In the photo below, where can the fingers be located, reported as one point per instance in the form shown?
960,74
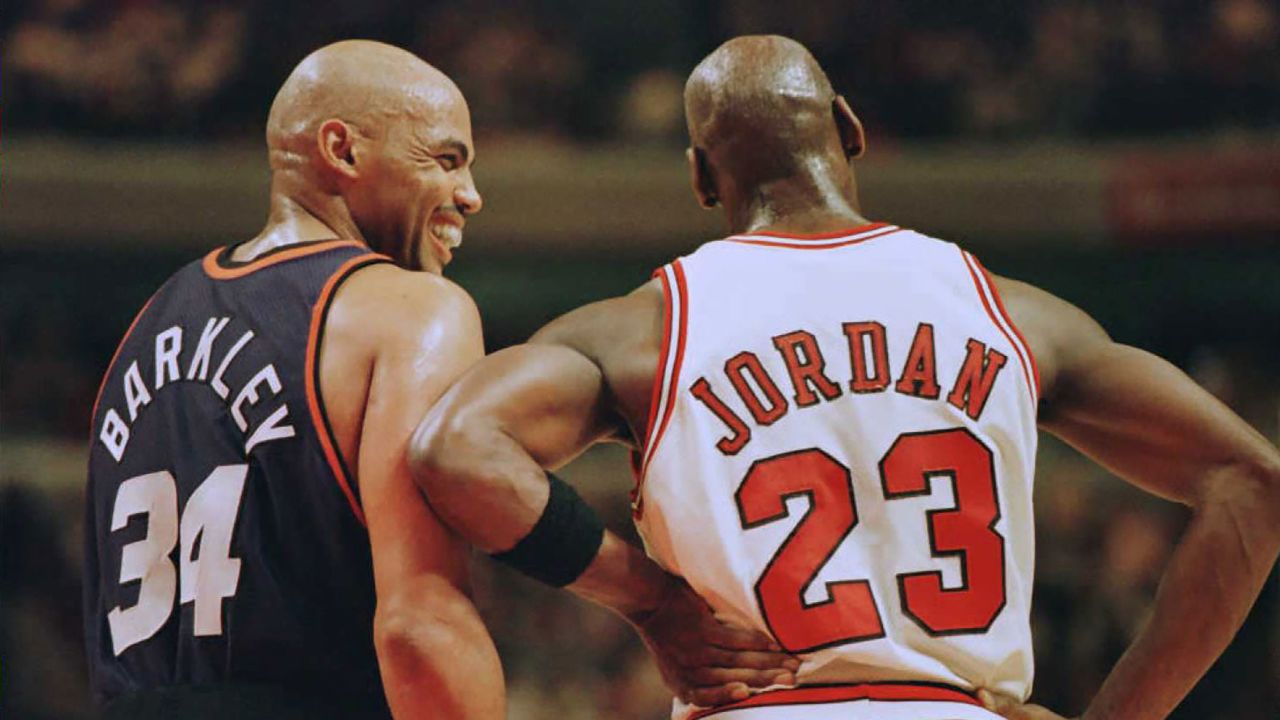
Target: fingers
1014,710
712,696
757,660
731,637
712,676
997,703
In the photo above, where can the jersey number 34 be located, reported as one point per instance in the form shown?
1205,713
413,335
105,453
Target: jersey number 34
966,531
209,518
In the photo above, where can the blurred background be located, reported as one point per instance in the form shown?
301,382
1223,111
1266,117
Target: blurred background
1125,156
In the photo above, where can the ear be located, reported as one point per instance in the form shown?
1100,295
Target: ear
852,137
335,142
704,187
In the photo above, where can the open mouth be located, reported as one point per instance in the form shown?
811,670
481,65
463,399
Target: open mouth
447,234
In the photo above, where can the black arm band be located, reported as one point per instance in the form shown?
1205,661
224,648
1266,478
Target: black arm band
563,543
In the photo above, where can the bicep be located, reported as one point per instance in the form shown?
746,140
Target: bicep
1131,411
413,366
548,398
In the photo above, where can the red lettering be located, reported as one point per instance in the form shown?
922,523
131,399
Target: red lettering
804,361
977,375
777,405
864,381
741,434
919,374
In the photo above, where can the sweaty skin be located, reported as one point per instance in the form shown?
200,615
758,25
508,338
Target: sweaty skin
772,145
360,141
368,142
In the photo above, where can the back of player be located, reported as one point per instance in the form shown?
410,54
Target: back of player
227,569
840,451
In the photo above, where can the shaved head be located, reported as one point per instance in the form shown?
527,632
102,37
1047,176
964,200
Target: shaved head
362,82
765,86
767,131
380,142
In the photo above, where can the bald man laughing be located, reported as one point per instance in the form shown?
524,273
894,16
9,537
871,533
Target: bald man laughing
255,544
834,430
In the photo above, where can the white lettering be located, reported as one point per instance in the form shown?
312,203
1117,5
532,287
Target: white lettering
219,386
168,345
135,391
250,393
115,434
200,360
270,429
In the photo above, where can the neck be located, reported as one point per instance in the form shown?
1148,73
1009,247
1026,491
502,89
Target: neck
815,199
300,214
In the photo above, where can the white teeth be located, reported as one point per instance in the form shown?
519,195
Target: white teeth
450,235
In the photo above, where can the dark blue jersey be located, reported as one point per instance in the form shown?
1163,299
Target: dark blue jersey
225,544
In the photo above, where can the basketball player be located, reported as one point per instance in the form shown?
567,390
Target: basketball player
255,544
834,424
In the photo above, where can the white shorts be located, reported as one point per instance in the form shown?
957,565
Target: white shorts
822,705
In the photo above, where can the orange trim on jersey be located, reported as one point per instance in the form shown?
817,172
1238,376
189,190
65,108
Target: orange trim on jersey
1032,385
821,236
215,270
804,244
102,386
315,403
824,694
672,387
995,293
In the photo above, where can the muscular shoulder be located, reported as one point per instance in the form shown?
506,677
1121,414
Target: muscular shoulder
606,327
383,307
623,337
1060,334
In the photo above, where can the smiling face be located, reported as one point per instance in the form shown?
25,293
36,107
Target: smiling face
414,188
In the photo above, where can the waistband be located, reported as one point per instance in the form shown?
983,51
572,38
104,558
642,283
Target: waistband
822,694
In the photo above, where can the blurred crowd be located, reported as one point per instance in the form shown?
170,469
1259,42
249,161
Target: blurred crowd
587,70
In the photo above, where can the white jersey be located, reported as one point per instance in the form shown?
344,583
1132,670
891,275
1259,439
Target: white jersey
840,453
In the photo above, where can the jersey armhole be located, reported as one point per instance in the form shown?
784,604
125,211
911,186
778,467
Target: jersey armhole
666,378
994,306
315,398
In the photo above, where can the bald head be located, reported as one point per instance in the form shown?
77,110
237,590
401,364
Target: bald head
361,82
768,134
376,144
757,84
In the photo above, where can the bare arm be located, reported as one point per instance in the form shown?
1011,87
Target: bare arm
479,457
434,652
1145,420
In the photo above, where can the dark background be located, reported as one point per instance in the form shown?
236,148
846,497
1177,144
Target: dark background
1125,156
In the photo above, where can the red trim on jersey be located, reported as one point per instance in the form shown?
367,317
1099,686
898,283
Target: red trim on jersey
1026,347
803,244
823,694
216,271
821,236
1032,385
102,386
315,403
672,387
640,459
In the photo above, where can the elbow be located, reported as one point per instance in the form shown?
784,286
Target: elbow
434,652
437,452
1247,493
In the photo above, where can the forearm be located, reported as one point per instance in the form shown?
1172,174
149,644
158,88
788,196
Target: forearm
480,482
489,489
436,657
624,580
1212,580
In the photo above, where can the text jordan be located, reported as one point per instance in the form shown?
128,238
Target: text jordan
867,347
